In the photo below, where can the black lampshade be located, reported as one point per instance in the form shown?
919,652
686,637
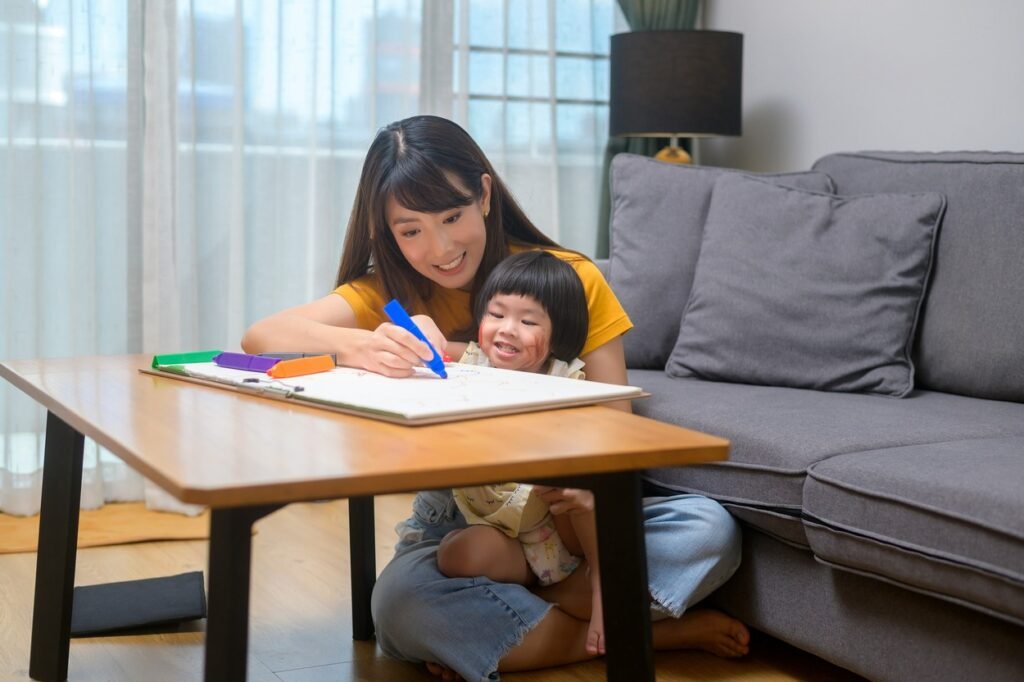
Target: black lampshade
683,83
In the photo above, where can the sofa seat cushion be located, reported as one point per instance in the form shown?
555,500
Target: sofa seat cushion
943,518
777,433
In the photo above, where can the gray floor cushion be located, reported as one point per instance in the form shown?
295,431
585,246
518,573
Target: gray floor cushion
942,518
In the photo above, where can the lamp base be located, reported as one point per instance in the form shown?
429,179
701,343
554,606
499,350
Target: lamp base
673,154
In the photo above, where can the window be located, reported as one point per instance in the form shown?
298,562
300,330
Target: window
530,82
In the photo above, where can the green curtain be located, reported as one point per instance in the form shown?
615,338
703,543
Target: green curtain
642,15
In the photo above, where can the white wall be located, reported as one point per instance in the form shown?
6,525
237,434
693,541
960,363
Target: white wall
845,75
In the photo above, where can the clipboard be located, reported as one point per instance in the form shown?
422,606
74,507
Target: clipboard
470,391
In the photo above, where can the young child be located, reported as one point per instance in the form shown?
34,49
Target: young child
532,317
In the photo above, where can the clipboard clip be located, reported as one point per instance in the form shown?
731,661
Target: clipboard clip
262,385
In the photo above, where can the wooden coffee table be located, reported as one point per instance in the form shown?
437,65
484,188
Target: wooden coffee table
245,457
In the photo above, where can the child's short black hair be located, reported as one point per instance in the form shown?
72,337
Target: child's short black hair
555,285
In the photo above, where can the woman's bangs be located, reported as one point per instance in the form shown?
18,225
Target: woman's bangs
423,187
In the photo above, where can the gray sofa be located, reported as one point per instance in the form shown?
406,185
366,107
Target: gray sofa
883,534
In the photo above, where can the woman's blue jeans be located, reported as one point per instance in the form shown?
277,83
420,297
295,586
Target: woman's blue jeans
469,624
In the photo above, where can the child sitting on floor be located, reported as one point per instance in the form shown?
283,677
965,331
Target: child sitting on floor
532,317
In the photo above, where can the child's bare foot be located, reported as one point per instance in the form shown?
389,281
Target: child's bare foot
595,633
712,631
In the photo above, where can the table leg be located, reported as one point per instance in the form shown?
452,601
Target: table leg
363,562
55,560
227,623
623,559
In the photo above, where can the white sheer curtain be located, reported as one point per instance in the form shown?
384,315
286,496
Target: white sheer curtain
66,235
172,171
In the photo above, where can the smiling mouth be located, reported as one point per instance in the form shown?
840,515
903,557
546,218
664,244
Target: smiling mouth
448,267
505,348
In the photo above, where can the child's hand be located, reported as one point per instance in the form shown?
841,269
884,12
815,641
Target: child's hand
566,500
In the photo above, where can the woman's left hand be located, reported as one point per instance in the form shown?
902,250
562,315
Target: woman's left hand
566,500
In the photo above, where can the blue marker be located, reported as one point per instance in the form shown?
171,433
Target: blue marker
401,318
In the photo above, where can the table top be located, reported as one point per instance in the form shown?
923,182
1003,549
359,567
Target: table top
223,448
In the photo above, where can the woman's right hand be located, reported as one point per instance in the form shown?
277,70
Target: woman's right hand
394,352
329,325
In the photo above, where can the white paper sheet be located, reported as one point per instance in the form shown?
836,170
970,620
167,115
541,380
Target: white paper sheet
423,398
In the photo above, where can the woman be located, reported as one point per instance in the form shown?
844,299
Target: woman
431,219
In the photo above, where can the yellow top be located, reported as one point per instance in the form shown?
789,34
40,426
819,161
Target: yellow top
449,308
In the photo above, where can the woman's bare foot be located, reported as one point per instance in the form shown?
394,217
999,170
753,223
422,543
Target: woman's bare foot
712,631
442,671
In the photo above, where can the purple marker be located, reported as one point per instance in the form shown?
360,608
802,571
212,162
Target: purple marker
251,363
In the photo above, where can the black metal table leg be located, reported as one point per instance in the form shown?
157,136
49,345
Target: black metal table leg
363,561
55,561
227,624
623,558
622,553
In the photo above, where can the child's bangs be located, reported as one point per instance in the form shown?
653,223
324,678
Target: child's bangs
521,282
421,186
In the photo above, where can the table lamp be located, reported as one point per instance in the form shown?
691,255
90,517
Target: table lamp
676,84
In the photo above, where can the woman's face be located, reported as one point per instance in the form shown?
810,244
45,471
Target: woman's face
515,333
447,247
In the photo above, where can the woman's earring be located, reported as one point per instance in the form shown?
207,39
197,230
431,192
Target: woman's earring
487,212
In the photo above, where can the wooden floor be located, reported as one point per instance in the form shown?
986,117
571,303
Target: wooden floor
300,615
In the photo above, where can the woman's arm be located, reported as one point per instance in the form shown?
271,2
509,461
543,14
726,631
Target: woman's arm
607,364
329,325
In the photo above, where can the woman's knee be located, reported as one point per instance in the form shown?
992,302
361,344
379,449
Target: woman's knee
721,531
698,521
694,546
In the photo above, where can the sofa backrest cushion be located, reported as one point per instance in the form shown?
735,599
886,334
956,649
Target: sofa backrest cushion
807,289
657,223
971,334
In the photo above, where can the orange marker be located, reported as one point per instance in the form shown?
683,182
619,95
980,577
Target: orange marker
300,366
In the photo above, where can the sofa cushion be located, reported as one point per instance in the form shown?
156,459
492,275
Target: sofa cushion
973,317
944,518
777,433
657,221
806,289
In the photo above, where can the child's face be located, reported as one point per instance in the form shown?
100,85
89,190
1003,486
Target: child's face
515,333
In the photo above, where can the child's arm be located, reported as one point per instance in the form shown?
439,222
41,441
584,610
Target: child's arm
578,506
566,500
